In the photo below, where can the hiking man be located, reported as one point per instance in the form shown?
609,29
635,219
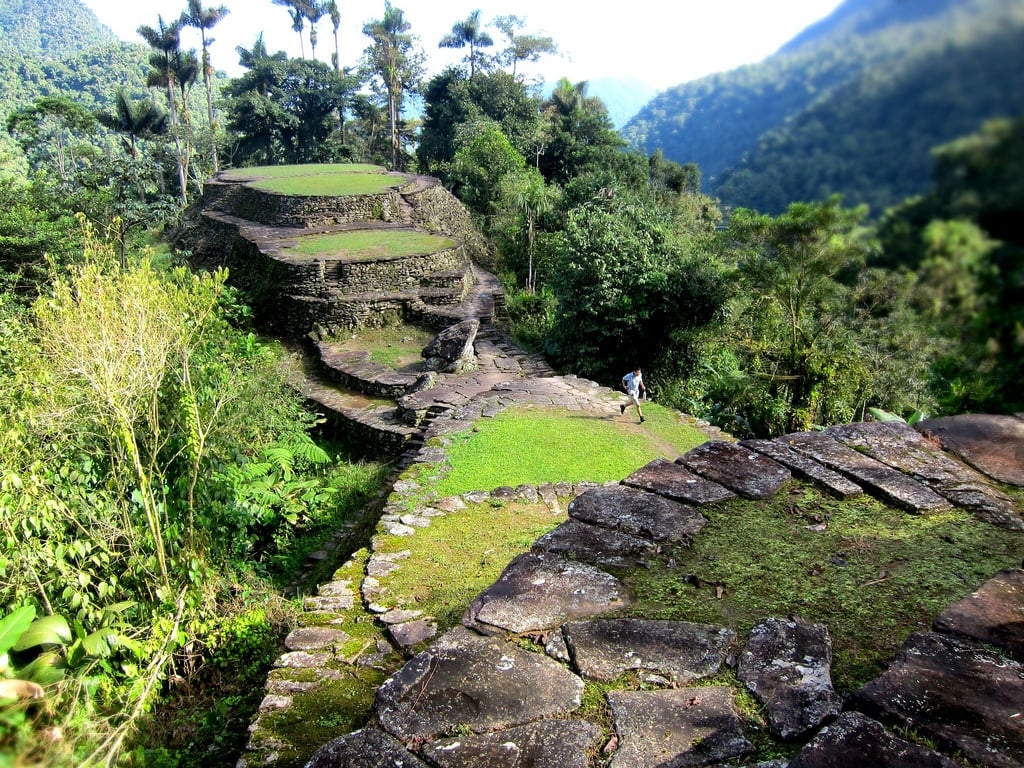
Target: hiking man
633,383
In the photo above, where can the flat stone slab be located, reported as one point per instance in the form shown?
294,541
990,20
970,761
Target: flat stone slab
369,747
410,633
475,682
902,447
675,728
638,513
561,743
992,444
806,467
314,638
748,473
961,694
596,545
603,649
993,615
854,740
542,591
890,484
674,481
787,665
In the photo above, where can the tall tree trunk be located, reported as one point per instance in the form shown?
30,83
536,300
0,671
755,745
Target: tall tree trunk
178,151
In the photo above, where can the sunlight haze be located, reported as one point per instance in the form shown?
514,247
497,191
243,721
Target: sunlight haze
660,44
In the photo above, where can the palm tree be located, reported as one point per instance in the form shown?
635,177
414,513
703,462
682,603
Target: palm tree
314,10
527,193
335,14
468,32
205,19
390,57
165,40
298,19
253,59
141,119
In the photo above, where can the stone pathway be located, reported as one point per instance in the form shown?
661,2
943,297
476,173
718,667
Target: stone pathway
476,680
505,688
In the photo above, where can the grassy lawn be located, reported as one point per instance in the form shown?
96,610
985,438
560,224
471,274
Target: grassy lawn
367,244
329,184
552,445
282,171
396,346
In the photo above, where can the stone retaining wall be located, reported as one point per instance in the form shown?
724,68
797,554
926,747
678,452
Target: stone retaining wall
302,211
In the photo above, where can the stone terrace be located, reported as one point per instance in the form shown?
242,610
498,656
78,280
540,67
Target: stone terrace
505,687
959,686
253,231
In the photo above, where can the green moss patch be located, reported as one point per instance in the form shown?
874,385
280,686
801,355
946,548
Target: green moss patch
370,244
396,346
458,556
553,445
338,707
871,573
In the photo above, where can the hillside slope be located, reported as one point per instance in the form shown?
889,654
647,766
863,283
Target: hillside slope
49,30
852,105
54,48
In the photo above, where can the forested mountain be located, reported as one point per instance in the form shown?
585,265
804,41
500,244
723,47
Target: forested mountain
50,48
49,30
853,105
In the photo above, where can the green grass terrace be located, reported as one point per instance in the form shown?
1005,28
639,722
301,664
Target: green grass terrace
329,180
370,244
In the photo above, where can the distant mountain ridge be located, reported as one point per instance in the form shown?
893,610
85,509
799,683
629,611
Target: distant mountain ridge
848,105
49,30
60,48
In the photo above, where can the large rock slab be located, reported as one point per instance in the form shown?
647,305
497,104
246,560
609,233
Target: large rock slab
475,682
901,447
741,470
993,615
366,748
542,591
960,694
674,481
806,467
676,728
561,743
451,350
991,443
595,545
638,513
603,649
787,666
877,478
855,740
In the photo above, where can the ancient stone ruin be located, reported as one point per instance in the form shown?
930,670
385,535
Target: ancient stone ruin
505,687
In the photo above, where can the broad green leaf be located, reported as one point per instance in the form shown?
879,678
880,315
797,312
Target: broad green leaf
98,643
46,669
49,630
13,625
917,416
881,415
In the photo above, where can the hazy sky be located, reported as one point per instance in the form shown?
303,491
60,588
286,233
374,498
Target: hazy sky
660,42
